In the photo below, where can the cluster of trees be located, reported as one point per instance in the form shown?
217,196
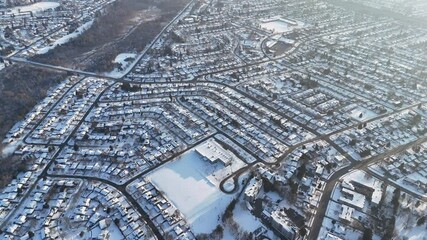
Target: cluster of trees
23,87
421,220
130,88
10,167
106,35
216,234
395,200
390,223
234,227
309,83
367,234
416,119
229,210
293,190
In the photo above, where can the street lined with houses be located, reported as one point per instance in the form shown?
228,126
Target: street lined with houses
240,120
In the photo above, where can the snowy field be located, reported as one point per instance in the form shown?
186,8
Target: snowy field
36,7
366,114
192,185
125,60
279,25
276,26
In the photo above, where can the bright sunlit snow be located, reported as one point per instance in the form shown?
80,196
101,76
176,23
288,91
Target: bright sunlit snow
192,185
36,7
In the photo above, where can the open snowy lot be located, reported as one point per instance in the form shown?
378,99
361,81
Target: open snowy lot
36,7
279,25
125,61
192,183
362,114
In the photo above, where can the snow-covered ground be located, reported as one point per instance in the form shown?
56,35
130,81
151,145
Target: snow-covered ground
229,185
245,219
406,221
279,25
248,222
408,232
192,185
276,26
122,57
113,233
366,114
66,38
10,148
125,60
36,7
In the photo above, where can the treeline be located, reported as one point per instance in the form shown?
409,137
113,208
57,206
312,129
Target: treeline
21,88
10,167
96,49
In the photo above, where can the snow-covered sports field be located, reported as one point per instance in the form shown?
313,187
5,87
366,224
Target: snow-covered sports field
36,7
191,183
280,25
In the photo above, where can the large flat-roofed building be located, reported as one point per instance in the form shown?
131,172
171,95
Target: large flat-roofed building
352,198
211,151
